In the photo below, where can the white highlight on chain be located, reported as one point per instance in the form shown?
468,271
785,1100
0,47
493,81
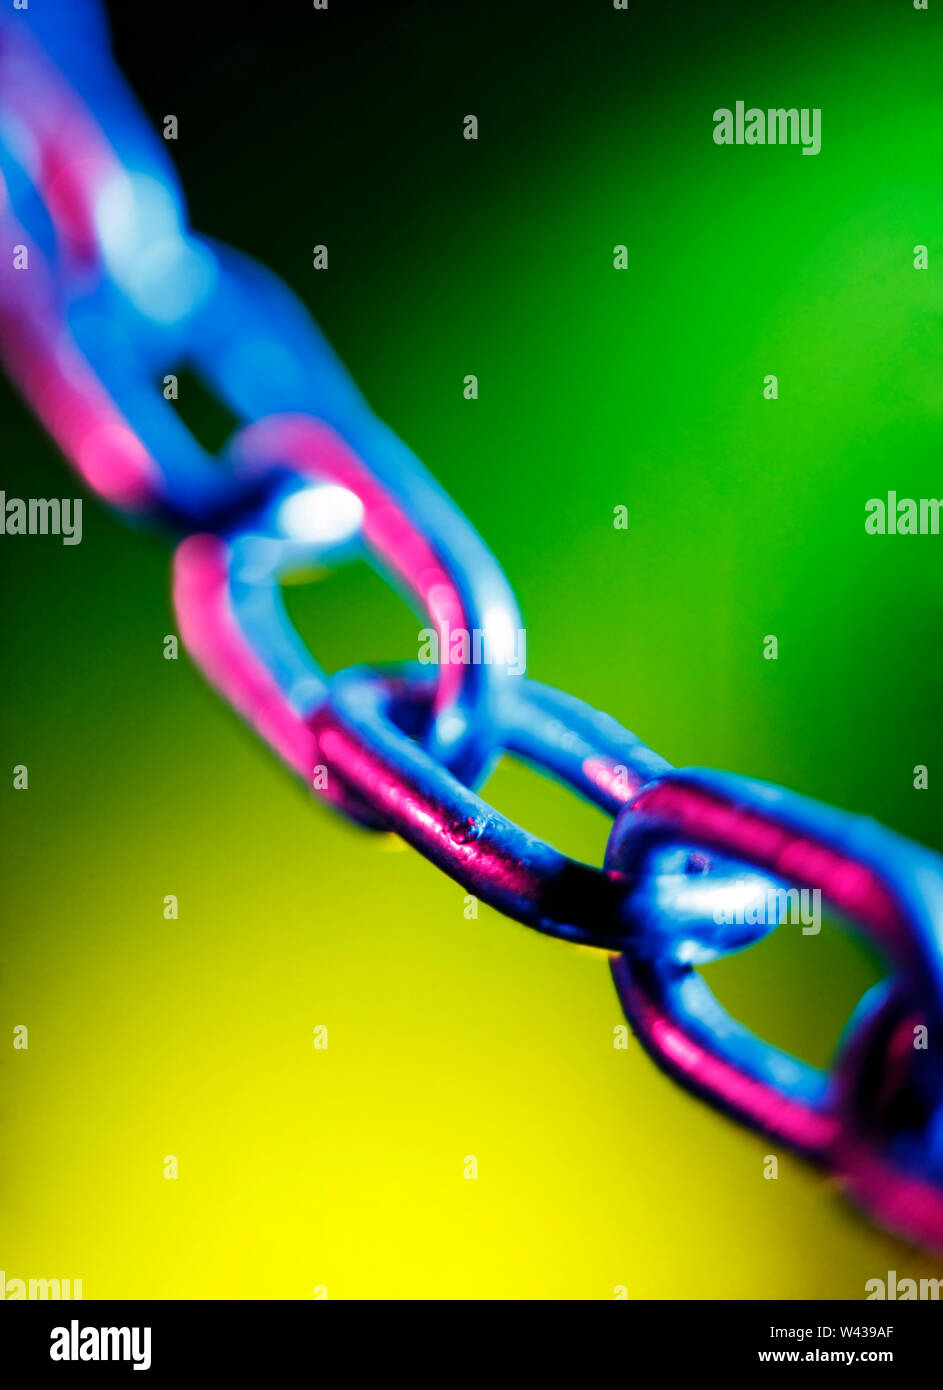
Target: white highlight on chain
326,514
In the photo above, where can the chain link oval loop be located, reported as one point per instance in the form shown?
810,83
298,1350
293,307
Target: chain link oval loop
883,885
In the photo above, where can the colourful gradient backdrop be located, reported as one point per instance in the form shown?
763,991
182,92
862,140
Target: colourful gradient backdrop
344,1168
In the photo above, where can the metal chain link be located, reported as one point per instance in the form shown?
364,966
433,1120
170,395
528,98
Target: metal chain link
113,290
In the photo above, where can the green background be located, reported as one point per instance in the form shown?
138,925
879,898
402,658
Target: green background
643,387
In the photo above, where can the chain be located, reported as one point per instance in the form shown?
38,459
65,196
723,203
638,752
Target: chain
103,287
